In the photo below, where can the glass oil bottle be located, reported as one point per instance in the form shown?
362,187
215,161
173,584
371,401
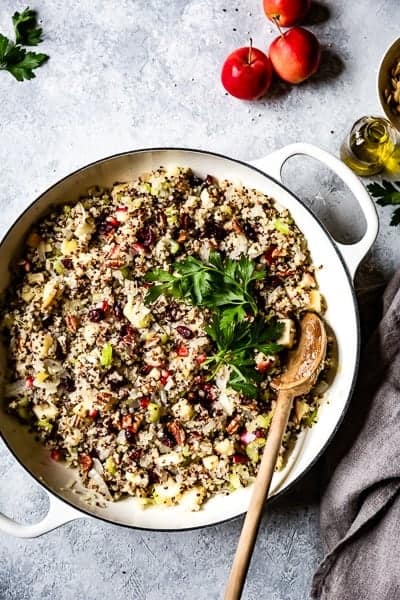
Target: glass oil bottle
372,146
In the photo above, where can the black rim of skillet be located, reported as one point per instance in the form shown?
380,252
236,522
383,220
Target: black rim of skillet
329,238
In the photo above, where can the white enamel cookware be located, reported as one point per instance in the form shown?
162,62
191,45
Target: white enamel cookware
335,279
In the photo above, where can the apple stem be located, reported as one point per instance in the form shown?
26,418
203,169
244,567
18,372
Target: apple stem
250,50
276,21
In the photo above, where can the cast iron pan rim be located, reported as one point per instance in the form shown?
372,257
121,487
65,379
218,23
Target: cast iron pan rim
329,239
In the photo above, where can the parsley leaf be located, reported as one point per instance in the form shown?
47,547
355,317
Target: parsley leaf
26,28
225,287
23,68
236,345
387,194
215,283
13,57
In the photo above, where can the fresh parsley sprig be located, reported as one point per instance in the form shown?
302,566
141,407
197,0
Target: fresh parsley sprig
226,288
236,345
26,28
218,283
13,57
387,194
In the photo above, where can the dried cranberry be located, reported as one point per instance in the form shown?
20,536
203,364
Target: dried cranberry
195,181
260,433
144,402
68,383
110,426
209,180
127,330
269,254
47,321
96,315
274,281
93,414
209,392
250,232
145,370
29,382
240,459
135,455
106,227
182,350
130,435
146,236
172,311
185,332
212,230
67,263
116,384
118,311
166,440
56,454
185,221
60,353
153,477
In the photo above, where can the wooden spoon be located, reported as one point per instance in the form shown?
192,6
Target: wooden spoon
303,368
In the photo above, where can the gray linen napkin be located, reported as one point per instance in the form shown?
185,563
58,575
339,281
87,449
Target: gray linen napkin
360,510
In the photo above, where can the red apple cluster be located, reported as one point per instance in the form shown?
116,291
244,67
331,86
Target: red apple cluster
294,55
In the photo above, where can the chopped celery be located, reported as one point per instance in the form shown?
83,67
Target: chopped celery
281,226
126,272
45,424
264,421
106,355
153,412
58,267
110,466
173,247
24,414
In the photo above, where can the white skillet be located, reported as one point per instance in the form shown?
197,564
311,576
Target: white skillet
335,279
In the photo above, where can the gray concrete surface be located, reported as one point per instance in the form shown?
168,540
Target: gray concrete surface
138,73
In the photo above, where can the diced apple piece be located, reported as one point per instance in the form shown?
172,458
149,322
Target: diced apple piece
45,411
288,333
225,448
192,499
171,458
138,315
301,408
183,410
69,247
315,301
167,492
211,462
49,293
46,345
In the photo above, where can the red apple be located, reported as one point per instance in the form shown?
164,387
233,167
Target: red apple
247,73
295,55
286,12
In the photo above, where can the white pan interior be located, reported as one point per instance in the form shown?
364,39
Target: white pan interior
341,316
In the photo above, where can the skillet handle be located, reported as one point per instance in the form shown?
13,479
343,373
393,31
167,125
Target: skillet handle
352,253
59,514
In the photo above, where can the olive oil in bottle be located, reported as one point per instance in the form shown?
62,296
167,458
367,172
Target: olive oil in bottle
371,147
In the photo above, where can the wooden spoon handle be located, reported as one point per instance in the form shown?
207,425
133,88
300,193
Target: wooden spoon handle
262,484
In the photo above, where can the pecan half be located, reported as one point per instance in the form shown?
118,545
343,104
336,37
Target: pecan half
137,421
177,431
72,323
85,462
234,425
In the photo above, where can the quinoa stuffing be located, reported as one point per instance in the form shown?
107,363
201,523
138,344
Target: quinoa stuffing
144,324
